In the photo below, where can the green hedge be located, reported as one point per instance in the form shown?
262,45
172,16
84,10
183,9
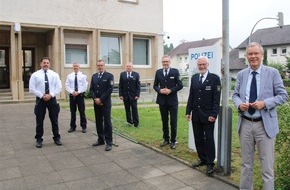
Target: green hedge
282,146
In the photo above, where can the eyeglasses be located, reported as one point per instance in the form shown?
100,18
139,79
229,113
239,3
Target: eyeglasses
201,65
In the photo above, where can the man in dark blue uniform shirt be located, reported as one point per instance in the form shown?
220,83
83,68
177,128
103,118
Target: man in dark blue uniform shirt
101,88
167,83
129,92
204,104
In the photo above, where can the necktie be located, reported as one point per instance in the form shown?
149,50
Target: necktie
46,83
253,92
128,75
100,75
200,80
76,83
165,72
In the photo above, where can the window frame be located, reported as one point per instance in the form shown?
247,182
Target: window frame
283,48
120,40
87,65
149,51
274,49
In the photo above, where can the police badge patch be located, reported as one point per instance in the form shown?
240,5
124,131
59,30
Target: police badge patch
218,88
112,82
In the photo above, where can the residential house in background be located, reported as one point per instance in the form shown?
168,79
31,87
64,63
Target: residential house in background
275,41
179,55
71,31
276,44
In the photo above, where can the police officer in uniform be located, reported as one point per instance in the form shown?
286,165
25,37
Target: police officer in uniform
129,92
45,84
76,85
167,83
101,88
204,104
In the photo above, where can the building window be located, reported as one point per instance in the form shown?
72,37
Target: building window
284,51
274,51
185,59
111,50
76,53
141,51
129,1
180,59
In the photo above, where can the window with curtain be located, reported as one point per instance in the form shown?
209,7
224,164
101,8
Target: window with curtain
141,51
111,50
76,53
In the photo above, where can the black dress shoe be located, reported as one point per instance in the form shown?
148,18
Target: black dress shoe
84,130
58,142
209,170
38,144
71,130
108,148
173,146
199,163
164,143
98,143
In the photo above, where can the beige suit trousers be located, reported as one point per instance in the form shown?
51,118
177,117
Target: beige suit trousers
251,134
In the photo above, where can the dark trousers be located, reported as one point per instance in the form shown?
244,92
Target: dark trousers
75,103
204,141
103,124
131,112
40,111
165,110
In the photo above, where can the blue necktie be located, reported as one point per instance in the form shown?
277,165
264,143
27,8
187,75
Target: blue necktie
253,92
76,83
200,80
165,72
46,83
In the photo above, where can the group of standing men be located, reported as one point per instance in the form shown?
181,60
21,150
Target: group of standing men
45,84
258,91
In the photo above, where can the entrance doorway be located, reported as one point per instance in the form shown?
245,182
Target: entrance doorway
4,68
28,65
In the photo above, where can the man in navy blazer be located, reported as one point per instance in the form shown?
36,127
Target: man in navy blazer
204,104
260,126
101,88
167,83
129,92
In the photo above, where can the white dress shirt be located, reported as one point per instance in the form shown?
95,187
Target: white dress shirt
70,82
37,83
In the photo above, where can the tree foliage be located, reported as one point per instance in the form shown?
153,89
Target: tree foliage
167,48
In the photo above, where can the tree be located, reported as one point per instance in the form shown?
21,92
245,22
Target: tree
167,48
288,61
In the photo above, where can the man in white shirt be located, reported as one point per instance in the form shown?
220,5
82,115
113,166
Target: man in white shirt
76,85
45,84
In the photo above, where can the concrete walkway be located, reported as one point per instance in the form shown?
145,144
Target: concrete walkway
78,166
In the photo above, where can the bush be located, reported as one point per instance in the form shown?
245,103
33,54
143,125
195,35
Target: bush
282,146
88,94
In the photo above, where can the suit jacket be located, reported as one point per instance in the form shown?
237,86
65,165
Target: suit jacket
272,92
204,100
102,87
172,82
130,87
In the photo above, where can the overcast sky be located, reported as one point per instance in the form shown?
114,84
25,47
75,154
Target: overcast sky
193,20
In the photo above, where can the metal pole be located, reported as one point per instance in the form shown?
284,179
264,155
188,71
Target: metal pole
225,90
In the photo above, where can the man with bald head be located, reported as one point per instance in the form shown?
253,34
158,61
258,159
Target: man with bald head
129,92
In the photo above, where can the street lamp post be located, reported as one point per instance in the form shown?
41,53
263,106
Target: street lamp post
279,19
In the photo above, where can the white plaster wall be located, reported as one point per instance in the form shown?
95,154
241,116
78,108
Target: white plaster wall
146,16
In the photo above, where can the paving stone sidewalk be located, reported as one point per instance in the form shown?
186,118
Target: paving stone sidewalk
78,166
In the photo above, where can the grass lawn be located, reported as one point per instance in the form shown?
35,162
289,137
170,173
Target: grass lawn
150,134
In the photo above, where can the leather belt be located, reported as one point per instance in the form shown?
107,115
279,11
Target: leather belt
252,119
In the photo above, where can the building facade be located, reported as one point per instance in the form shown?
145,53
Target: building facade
83,31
